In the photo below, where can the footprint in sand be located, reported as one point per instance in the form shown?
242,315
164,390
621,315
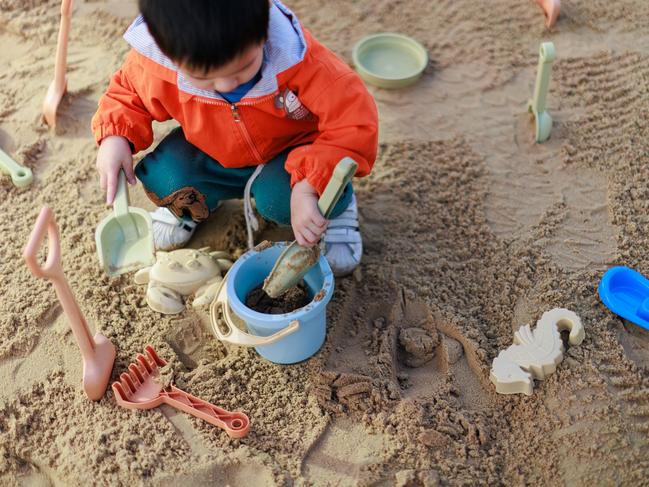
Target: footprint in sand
344,454
398,346
56,349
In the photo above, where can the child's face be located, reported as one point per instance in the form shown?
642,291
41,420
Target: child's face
227,77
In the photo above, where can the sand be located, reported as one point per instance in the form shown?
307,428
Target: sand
294,298
470,230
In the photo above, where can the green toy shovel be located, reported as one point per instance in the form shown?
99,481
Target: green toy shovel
21,176
295,261
536,106
125,239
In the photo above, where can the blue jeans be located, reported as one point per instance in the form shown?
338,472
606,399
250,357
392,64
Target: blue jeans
191,184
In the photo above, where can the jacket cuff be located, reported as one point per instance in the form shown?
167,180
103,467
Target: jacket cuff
106,130
316,166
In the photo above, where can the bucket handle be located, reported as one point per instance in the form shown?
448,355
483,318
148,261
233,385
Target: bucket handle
225,330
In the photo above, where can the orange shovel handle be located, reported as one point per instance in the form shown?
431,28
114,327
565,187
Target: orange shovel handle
235,424
53,271
60,63
52,268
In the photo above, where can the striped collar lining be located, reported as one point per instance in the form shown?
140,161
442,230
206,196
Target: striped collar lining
284,48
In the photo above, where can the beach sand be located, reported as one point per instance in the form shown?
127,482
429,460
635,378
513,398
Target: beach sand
471,230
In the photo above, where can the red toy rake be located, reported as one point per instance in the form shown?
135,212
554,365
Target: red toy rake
141,388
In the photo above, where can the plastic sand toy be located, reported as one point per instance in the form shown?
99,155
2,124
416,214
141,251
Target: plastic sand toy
125,239
551,9
98,353
281,338
389,60
626,293
58,86
535,354
180,273
141,388
536,106
21,176
296,260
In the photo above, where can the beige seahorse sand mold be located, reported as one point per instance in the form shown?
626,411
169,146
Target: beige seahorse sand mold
535,354
181,273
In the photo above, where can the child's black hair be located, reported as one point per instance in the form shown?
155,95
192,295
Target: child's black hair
206,34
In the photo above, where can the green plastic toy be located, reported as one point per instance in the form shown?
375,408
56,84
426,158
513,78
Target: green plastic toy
389,60
295,261
537,106
21,176
125,239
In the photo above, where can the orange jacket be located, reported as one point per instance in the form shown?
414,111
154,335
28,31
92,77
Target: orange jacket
307,99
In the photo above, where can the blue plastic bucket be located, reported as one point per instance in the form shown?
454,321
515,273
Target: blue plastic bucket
248,272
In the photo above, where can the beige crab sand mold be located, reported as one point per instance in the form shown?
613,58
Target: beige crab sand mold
535,354
181,273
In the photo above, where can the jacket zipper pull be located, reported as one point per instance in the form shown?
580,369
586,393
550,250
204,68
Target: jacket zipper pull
235,112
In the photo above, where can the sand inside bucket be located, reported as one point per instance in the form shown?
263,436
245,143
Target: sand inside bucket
295,298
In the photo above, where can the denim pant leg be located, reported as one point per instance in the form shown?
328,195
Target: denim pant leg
272,192
186,180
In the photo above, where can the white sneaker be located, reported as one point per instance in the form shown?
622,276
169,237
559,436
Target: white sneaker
169,231
343,244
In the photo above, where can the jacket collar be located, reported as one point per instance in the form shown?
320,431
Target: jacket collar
284,48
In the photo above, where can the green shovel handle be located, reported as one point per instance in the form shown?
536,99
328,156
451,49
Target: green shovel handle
120,203
21,176
343,173
547,55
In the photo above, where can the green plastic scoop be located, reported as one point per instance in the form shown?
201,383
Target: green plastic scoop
536,105
21,176
295,261
125,239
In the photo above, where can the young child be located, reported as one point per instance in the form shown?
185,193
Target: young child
264,110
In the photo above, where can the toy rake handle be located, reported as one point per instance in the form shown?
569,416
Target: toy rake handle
547,54
62,45
235,424
53,271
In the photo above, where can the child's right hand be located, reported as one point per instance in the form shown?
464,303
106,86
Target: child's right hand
114,155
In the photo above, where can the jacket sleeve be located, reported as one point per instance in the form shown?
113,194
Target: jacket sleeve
347,125
123,109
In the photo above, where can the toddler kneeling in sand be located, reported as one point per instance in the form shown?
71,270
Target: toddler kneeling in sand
265,111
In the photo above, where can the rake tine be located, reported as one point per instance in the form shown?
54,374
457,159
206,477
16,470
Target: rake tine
143,361
119,390
135,374
154,356
128,383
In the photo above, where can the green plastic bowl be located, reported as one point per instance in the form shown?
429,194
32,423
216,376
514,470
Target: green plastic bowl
389,60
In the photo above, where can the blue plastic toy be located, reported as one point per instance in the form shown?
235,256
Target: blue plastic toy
284,338
626,293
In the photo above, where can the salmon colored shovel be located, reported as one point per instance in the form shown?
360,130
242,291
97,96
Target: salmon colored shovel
141,388
551,8
59,84
99,353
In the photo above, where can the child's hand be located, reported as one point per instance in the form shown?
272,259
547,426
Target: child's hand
114,154
307,221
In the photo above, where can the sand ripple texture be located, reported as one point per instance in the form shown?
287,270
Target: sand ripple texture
470,230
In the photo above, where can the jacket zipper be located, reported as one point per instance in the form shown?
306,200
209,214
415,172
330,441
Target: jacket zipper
244,131
239,122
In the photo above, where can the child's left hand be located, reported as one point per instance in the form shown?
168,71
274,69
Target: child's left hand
307,221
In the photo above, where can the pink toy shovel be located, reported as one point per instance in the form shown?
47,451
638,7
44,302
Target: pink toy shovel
551,9
141,388
58,86
99,353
